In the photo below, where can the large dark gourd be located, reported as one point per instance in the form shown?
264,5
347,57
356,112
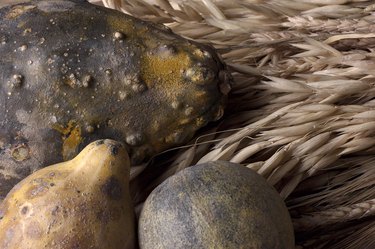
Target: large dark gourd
217,205
73,72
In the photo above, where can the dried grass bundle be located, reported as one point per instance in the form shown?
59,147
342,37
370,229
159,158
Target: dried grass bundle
302,109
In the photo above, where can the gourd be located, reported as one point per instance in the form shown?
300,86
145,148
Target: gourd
73,72
217,205
81,203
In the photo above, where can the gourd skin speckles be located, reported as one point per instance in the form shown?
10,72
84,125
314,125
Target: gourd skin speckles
112,76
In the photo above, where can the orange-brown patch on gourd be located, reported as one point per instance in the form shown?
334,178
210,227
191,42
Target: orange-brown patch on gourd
72,137
18,11
168,70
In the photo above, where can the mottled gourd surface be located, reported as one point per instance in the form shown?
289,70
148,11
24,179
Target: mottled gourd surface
73,72
82,203
217,205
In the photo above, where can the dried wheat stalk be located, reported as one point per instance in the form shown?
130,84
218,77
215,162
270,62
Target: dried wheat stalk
340,214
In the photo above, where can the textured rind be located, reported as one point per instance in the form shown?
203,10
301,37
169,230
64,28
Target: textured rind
82,203
73,72
215,205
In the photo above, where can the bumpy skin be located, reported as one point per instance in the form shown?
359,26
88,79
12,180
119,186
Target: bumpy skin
215,205
73,72
82,203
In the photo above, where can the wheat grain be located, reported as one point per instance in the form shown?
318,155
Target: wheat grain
308,23
274,161
296,130
281,172
249,151
291,185
326,2
363,127
255,166
219,154
336,38
322,163
332,11
312,144
357,144
365,115
288,85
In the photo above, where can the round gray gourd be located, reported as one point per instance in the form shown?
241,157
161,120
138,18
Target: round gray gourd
215,205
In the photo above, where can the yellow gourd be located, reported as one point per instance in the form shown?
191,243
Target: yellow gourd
81,203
